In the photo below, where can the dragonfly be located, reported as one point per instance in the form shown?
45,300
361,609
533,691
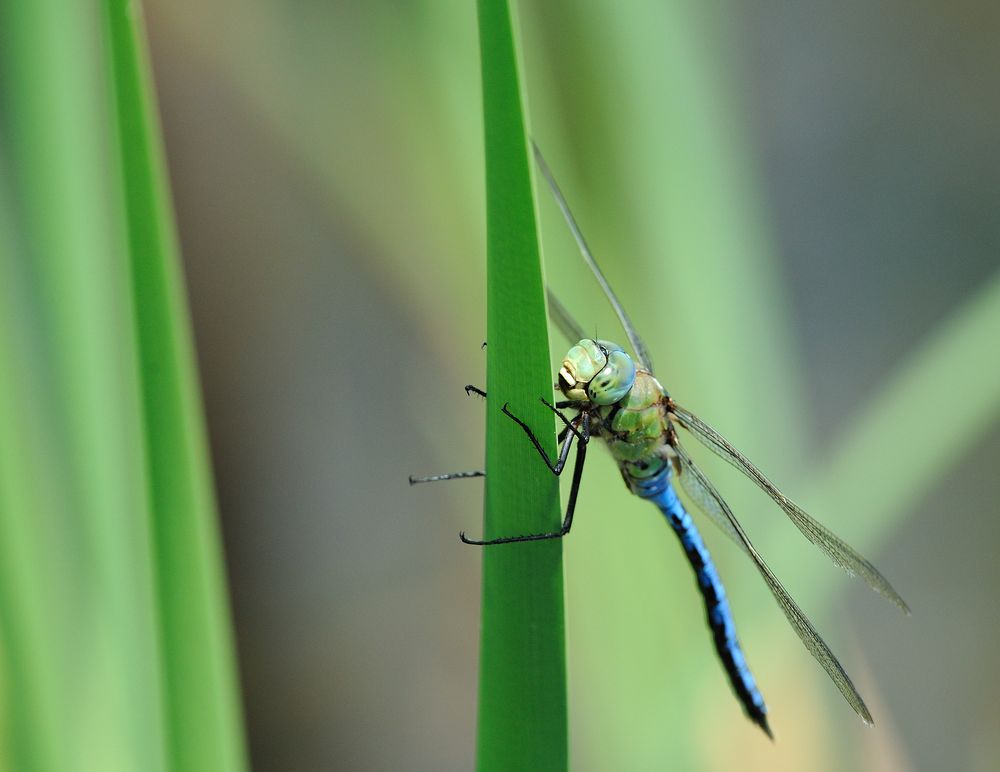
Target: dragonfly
616,398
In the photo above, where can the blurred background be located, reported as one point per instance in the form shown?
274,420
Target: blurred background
798,203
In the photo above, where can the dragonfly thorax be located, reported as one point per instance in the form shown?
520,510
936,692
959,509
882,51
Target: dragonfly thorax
596,371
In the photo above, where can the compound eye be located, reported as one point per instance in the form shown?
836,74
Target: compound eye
614,380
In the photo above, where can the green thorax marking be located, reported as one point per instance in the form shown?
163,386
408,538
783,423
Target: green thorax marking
635,427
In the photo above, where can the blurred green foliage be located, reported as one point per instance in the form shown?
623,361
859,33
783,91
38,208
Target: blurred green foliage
797,204
116,648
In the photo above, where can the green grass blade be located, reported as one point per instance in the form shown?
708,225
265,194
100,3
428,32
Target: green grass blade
30,734
201,694
931,411
115,651
522,686
81,650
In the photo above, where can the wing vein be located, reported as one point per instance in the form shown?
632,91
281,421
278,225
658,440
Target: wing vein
839,551
641,353
715,507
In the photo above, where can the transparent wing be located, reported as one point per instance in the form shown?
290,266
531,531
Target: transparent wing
701,497
707,498
641,354
567,325
841,553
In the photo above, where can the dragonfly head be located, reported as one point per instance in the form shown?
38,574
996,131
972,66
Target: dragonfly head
596,371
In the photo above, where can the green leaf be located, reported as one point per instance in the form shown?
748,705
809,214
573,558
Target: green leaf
201,693
116,649
522,687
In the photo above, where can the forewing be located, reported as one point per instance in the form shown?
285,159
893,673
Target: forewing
564,320
707,498
641,354
839,551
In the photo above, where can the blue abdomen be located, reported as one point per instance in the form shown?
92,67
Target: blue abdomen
720,619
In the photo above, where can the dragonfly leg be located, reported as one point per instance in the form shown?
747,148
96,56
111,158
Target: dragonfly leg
581,456
557,467
447,476
469,390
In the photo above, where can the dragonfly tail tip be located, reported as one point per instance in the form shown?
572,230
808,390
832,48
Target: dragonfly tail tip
761,721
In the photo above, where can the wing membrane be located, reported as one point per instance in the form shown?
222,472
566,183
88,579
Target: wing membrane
841,553
707,498
564,320
702,498
641,354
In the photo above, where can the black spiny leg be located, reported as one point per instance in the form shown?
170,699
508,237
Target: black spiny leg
583,435
564,452
594,430
447,476
469,390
